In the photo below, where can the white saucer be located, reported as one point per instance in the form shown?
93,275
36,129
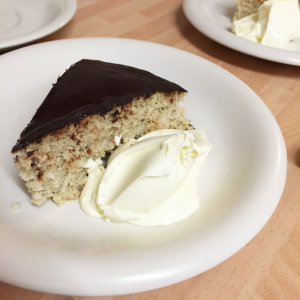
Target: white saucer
23,21
63,251
213,18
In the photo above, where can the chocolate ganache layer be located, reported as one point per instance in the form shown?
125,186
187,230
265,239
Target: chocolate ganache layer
90,87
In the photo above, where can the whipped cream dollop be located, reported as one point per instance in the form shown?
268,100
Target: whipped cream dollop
148,181
276,23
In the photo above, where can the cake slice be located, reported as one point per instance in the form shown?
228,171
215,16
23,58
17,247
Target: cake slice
247,7
90,107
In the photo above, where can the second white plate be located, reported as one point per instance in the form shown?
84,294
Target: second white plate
23,21
213,18
63,251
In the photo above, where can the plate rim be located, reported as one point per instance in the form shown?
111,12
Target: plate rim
230,40
185,274
60,21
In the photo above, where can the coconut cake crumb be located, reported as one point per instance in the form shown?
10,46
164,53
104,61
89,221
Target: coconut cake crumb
16,205
54,166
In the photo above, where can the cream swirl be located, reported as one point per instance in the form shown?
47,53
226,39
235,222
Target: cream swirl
151,181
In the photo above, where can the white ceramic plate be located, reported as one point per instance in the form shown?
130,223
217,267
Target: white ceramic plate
213,18
23,21
63,251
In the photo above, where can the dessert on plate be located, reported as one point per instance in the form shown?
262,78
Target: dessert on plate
92,108
245,8
271,23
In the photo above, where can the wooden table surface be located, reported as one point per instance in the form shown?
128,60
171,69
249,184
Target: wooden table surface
269,266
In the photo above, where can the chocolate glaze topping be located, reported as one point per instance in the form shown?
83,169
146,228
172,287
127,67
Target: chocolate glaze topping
90,87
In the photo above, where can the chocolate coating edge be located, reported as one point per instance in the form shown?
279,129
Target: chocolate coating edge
90,87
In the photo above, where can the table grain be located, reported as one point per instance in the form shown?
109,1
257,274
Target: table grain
268,267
